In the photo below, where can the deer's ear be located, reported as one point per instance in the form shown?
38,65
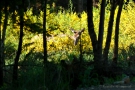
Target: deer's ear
83,30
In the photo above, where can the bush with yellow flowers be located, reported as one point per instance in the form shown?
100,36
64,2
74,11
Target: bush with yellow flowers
58,31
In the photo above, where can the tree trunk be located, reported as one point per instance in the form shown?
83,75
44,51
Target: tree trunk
44,34
100,36
115,57
80,6
45,43
2,43
15,67
97,45
109,34
80,10
91,31
1,67
4,32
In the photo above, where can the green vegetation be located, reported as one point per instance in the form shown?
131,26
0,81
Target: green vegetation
60,47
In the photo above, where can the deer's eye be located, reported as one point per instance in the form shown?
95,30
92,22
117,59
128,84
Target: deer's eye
75,32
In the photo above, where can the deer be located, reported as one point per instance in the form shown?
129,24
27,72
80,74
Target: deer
76,35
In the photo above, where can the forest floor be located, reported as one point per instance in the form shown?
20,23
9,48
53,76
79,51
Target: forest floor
130,86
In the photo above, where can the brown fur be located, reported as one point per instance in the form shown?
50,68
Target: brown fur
77,35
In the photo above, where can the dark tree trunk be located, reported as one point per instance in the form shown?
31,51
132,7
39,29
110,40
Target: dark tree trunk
1,73
91,31
2,43
1,67
100,36
80,10
81,54
115,57
80,6
44,34
45,43
15,67
4,32
97,45
109,33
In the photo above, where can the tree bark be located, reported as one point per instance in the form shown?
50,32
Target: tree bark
115,57
4,31
44,34
96,44
91,31
109,34
15,67
2,43
100,36
1,67
80,6
45,43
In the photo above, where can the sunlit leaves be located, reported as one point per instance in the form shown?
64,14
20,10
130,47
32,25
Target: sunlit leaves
59,34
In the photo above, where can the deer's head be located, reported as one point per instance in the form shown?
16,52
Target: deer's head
76,35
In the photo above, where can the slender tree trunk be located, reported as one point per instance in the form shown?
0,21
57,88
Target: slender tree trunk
1,67
115,57
101,28
15,67
100,35
91,31
2,43
45,43
81,54
4,32
80,10
44,34
97,45
109,34
80,6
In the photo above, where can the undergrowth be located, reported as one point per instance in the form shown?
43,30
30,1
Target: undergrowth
33,76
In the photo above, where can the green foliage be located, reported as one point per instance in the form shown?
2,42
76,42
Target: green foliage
70,6
88,78
60,47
